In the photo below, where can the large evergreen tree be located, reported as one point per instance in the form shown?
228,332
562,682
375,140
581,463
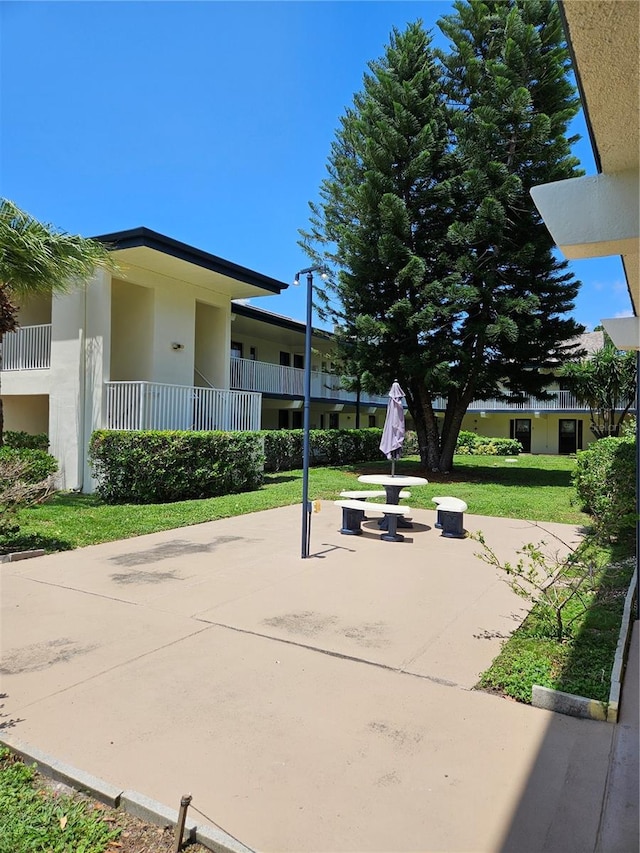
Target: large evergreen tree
446,277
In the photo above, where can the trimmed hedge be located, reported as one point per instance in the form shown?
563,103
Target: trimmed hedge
470,444
40,441
162,466
283,448
40,464
605,482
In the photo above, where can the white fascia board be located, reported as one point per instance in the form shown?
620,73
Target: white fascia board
624,332
593,216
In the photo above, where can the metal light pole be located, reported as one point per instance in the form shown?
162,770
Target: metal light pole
306,505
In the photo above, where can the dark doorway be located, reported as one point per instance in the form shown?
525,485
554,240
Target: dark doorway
298,361
569,435
283,418
296,419
567,439
520,429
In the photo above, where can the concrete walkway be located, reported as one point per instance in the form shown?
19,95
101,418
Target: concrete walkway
307,705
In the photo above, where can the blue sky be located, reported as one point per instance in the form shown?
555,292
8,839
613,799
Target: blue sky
210,122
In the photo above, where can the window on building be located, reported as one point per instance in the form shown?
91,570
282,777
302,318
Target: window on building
334,420
372,420
252,353
298,361
236,349
296,419
285,359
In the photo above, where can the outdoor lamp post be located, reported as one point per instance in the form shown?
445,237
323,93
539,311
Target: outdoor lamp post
306,506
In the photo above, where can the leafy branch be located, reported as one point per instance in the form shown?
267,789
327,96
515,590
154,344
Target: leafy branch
552,579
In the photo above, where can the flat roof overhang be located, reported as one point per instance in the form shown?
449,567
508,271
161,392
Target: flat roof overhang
143,248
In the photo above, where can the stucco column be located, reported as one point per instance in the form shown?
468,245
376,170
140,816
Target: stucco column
97,364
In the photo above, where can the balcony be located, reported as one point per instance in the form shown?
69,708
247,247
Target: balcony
278,380
153,405
561,401
28,348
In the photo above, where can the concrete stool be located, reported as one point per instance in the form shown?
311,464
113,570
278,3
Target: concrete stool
353,514
450,516
369,493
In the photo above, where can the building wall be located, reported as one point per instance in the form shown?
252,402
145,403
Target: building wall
269,350
212,345
544,429
132,310
35,311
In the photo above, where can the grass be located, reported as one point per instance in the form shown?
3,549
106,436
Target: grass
34,818
583,662
537,488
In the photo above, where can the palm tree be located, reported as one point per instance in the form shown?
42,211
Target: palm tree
35,259
606,382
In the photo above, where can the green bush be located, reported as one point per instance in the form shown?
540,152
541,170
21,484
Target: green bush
466,442
410,446
470,444
605,482
159,467
506,446
283,448
40,441
39,463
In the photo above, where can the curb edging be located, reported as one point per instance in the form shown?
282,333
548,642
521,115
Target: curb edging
15,556
582,706
131,802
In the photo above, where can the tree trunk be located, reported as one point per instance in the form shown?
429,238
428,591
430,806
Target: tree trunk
424,418
452,423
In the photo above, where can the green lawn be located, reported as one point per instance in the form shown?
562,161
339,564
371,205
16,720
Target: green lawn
532,487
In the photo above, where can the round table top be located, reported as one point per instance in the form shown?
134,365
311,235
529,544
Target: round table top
388,480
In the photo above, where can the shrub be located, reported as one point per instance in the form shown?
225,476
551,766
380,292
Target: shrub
40,441
481,445
37,465
466,442
628,429
157,467
605,482
20,487
283,448
506,446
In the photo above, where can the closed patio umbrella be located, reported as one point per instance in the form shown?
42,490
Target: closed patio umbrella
393,431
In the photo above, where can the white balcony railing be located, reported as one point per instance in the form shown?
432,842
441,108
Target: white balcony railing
28,348
153,405
561,401
276,379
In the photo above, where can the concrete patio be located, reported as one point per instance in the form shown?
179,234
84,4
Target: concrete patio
308,705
